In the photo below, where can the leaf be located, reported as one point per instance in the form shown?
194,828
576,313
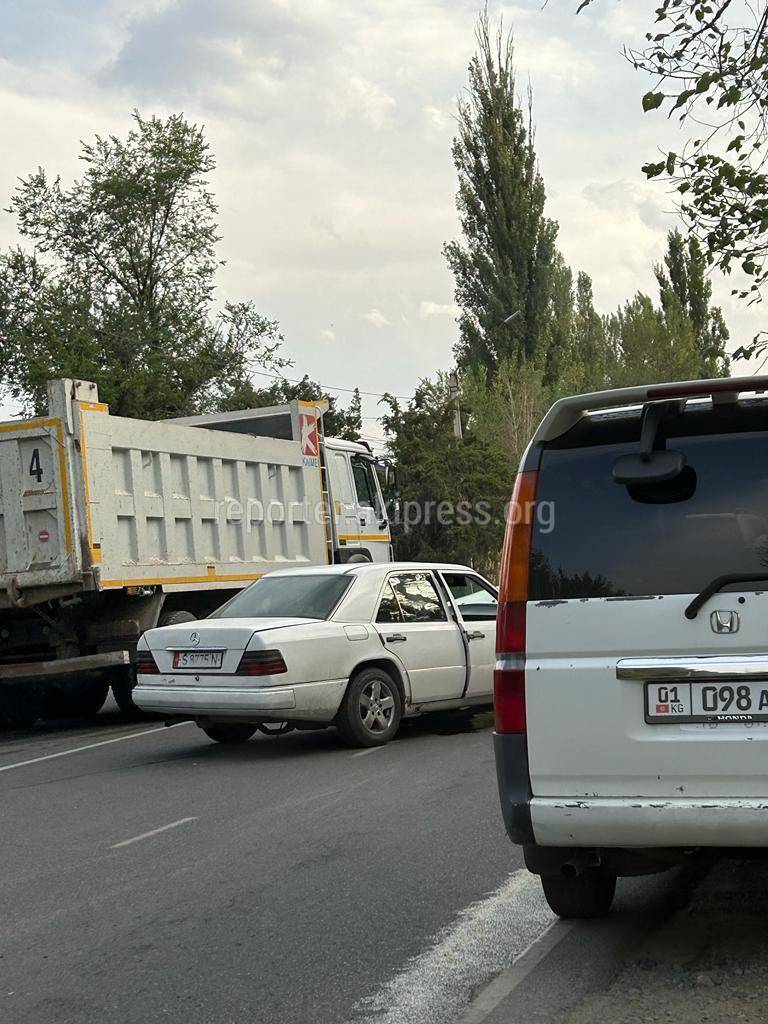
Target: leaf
652,100
654,170
670,163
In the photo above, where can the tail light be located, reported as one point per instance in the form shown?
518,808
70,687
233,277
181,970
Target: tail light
509,675
146,664
261,663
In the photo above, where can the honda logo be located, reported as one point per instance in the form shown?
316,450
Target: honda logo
724,622
194,638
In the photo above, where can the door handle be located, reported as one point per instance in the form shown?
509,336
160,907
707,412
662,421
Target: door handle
396,638
363,522
476,636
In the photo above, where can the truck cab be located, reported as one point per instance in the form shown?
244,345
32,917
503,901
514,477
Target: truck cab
359,516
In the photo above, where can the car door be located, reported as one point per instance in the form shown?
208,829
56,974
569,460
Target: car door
373,529
344,501
414,625
476,603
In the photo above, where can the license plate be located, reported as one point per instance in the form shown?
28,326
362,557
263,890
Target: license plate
198,659
722,701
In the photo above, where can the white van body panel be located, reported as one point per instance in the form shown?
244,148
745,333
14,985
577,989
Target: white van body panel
587,728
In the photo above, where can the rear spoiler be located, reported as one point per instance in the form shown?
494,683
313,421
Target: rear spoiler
567,412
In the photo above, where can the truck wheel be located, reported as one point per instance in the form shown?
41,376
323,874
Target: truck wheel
370,712
17,710
589,894
122,682
229,732
83,702
176,618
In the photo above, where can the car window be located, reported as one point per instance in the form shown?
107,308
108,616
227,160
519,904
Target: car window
301,597
417,598
474,598
606,539
389,609
341,483
365,482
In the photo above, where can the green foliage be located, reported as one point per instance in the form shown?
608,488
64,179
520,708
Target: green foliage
503,266
686,293
511,373
710,58
435,467
118,287
647,349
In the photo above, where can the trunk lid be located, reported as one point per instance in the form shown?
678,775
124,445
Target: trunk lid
229,636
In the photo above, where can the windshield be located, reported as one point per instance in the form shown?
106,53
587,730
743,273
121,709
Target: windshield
605,539
300,597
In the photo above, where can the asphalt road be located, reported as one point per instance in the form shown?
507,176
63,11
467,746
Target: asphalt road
306,878
151,875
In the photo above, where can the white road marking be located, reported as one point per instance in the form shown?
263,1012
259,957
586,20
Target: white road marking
486,937
153,832
500,988
90,746
368,750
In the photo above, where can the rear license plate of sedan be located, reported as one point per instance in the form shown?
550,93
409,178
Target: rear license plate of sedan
198,659
729,700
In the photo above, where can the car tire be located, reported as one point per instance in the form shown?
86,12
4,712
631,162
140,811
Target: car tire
122,682
370,713
229,732
176,618
589,894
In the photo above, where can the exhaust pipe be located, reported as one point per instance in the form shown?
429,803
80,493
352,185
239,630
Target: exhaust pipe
579,863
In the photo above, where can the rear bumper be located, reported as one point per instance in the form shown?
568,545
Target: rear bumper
313,702
644,823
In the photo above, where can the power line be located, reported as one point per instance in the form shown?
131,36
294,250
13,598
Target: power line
329,387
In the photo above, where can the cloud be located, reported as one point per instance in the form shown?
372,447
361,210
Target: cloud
375,317
625,197
428,309
332,123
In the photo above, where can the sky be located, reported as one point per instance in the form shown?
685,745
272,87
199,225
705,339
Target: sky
331,122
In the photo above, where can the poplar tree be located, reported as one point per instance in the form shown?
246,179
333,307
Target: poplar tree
503,265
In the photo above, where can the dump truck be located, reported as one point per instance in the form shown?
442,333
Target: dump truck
111,525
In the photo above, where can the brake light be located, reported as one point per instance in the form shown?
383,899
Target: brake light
509,675
261,663
146,664
708,388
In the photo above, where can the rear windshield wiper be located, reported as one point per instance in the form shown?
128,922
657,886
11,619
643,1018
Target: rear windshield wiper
717,584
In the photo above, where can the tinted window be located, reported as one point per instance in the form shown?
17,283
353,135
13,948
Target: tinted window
417,598
475,601
365,482
301,597
389,609
599,539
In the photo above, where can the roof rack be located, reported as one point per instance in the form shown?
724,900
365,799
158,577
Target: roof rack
566,412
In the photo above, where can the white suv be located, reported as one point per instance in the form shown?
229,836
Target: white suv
631,682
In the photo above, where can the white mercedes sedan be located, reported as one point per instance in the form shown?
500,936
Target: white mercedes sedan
356,646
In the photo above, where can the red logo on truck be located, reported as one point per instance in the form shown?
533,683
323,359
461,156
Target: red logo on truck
309,442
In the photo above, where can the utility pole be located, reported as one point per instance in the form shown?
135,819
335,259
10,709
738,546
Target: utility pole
453,393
